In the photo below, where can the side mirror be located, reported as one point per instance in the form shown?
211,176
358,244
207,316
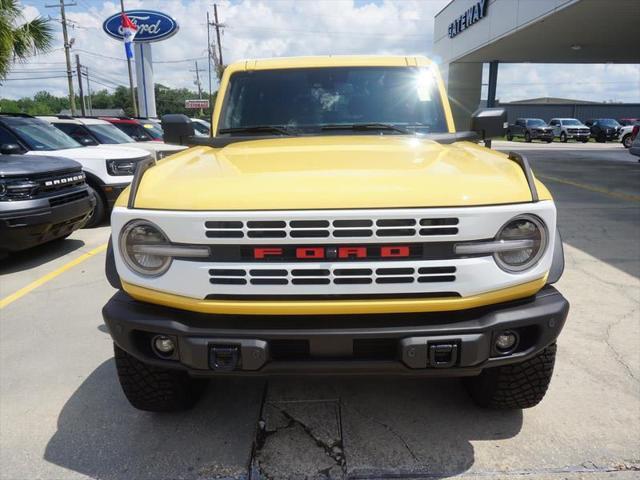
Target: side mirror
489,122
10,149
86,141
177,128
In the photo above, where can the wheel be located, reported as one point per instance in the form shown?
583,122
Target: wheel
527,137
521,385
585,140
601,138
509,136
97,215
549,140
626,141
563,137
155,389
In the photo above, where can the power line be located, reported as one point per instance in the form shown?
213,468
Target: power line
155,61
32,78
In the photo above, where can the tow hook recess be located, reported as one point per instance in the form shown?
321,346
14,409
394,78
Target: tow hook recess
443,355
224,358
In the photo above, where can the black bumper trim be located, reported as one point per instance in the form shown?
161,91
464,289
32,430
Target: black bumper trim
539,318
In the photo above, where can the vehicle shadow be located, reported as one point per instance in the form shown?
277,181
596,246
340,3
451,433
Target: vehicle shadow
384,427
100,435
38,255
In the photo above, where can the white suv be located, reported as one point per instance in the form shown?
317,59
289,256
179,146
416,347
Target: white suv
109,170
94,131
566,128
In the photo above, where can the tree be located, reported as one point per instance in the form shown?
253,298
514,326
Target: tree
20,40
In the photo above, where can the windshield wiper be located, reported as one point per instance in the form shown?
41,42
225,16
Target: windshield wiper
365,126
258,129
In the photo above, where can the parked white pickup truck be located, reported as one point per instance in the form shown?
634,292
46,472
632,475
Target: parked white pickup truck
566,128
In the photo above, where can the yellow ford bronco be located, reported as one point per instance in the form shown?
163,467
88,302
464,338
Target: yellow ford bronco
335,222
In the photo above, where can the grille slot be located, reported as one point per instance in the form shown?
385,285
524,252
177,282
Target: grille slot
406,227
269,281
227,272
72,197
311,281
227,281
268,273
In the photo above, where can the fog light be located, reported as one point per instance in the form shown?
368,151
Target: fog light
164,345
506,341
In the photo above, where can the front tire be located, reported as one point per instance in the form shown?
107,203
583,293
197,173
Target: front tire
527,137
563,137
626,141
520,385
509,136
156,389
98,213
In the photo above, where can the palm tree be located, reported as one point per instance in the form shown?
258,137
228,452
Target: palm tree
19,40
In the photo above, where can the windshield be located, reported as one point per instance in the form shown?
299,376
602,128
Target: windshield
572,122
609,122
108,133
536,122
41,135
201,128
154,130
306,99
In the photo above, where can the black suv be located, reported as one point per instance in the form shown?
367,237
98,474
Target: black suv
41,199
530,129
603,129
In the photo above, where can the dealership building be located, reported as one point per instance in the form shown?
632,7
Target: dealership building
470,33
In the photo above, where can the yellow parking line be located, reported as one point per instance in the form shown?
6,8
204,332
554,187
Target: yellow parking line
592,188
50,276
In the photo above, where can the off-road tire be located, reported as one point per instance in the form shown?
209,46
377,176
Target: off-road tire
563,137
601,138
520,385
155,389
98,213
626,141
527,137
509,136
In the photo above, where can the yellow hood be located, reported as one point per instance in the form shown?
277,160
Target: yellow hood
363,171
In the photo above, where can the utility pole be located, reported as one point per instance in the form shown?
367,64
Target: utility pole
83,106
209,66
199,85
133,93
86,70
67,47
218,27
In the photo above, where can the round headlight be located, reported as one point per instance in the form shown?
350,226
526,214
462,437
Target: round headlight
135,239
522,227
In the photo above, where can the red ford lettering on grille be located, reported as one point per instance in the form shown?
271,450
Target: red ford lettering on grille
339,253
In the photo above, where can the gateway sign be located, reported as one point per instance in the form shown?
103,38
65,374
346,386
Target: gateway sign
474,14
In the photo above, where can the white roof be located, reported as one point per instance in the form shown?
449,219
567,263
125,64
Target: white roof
73,120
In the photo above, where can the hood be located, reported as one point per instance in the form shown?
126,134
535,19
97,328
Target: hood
333,172
105,152
28,166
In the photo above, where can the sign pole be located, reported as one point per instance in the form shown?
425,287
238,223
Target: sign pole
133,93
209,60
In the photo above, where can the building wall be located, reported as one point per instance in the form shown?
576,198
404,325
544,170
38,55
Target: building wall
579,111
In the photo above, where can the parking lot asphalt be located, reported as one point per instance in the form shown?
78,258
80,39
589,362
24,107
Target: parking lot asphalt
63,415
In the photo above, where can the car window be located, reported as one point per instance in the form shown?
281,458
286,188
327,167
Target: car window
108,133
571,122
40,135
554,122
6,136
536,122
135,131
77,132
308,99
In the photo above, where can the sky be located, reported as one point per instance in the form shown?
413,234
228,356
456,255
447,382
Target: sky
268,28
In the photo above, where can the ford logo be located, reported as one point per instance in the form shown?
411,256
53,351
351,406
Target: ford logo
152,26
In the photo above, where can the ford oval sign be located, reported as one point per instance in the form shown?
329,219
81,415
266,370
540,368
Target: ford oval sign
152,26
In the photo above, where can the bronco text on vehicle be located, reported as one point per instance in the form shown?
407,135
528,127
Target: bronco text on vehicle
335,223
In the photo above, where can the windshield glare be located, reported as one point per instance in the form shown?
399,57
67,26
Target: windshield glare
536,122
40,135
109,134
609,122
571,122
306,99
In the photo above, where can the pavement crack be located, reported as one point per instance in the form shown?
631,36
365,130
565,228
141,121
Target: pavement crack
334,450
390,430
607,340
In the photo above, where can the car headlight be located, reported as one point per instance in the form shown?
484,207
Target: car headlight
124,166
528,236
147,251
137,240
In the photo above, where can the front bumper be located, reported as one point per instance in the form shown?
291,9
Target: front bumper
27,223
542,135
455,343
